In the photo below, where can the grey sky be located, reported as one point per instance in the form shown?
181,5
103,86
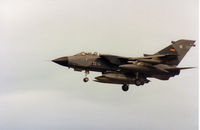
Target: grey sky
38,94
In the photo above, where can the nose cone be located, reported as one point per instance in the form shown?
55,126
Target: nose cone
61,61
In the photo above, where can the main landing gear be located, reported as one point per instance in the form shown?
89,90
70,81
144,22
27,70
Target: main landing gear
125,87
140,81
86,79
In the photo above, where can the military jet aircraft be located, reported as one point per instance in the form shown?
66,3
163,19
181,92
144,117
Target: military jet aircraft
129,70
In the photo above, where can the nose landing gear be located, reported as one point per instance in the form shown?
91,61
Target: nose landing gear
86,79
125,87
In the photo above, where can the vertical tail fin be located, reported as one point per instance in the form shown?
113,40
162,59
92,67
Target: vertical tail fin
178,49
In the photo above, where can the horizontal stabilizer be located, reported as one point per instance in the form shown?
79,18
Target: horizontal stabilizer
180,68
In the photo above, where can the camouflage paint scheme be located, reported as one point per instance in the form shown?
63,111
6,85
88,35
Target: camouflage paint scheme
128,70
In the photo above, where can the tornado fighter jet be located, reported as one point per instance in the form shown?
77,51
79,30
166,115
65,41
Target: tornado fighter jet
130,70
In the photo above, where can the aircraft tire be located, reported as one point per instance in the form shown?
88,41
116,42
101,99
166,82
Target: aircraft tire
86,79
125,87
138,82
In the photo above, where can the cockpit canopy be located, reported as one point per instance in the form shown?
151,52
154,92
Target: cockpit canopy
86,53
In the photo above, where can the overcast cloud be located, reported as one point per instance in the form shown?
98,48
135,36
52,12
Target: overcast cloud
36,94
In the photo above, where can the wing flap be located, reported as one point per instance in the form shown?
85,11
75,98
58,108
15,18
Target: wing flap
153,56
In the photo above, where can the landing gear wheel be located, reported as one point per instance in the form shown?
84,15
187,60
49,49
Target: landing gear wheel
125,87
137,82
86,79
